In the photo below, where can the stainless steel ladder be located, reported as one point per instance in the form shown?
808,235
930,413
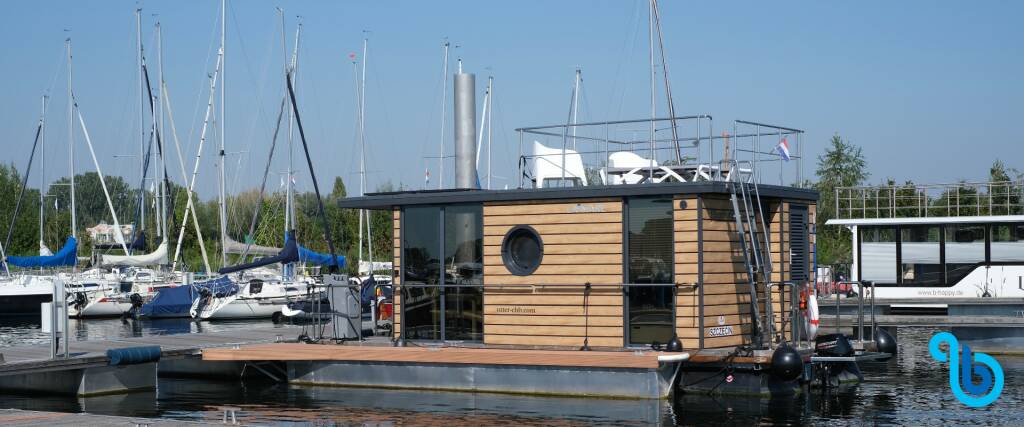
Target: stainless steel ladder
756,255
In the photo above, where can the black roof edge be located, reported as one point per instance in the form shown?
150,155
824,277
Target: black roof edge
451,196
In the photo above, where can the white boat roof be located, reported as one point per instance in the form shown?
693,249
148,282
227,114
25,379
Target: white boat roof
928,220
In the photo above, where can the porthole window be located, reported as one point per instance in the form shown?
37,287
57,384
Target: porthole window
522,250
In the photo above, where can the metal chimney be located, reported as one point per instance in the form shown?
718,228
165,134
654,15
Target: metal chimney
465,131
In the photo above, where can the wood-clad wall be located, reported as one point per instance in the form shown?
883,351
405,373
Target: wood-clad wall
725,284
396,277
687,231
582,243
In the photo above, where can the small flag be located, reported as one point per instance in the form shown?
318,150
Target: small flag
426,178
352,56
783,149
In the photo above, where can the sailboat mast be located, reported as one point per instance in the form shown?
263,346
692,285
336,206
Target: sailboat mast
654,111
575,105
490,114
288,174
71,141
668,85
223,100
42,172
444,106
362,155
359,132
160,131
142,123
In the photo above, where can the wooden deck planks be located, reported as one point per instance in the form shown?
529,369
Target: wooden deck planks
435,355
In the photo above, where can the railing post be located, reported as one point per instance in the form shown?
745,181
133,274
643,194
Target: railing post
860,311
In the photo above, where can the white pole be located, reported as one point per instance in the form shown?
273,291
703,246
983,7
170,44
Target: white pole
490,130
291,127
142,123
71,141
483,121
222,200
117,226
575,106
364,217
160,131
184,177
654,110
444,110
42,172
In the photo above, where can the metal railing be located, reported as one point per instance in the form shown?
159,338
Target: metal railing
930,200
676,141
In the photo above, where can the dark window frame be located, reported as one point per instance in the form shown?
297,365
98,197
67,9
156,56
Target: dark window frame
625,270
441,285
509,260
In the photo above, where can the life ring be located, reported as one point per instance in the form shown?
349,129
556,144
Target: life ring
809,305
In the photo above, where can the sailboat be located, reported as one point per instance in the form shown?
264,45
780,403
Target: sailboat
265,295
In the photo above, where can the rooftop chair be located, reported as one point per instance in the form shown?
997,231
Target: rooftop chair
628,159
547,167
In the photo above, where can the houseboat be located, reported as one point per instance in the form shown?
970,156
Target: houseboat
606,272
928,245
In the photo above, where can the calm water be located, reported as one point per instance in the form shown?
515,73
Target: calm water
910,390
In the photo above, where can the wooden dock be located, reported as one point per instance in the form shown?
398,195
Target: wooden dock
20,418
86,354
435,355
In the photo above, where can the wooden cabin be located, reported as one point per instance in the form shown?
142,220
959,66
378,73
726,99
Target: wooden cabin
611,267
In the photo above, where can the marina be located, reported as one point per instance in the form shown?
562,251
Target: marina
271,258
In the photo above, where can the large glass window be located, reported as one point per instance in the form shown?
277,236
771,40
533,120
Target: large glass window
1007,243
421,264
450,308
965,249
463,273
878,254
920,258
651,309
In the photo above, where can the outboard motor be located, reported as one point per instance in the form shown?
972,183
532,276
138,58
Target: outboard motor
885,343
833,345
787,364
80,300
137,302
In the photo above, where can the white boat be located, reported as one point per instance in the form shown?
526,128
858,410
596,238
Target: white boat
21,295
254,299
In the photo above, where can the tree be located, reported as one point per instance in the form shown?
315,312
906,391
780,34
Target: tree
842,165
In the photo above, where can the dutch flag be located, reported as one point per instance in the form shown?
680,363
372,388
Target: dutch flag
783,149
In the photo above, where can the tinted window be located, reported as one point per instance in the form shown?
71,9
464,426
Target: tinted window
522,250
421,263
649,246
1008,242
965,249
919,251
463,260
878,254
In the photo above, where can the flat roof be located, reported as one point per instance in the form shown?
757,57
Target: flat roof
451,196
928,220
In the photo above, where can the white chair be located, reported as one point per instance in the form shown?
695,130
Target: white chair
547,166
628,159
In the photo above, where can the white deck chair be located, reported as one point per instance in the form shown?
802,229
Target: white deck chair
628,159
547,166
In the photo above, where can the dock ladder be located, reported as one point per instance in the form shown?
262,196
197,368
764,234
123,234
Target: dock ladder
756,247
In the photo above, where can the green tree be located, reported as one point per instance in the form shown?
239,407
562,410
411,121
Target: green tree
842,165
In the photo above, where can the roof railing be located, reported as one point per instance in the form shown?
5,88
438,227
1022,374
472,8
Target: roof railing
930,200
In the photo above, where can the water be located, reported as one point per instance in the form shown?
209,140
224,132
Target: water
909,390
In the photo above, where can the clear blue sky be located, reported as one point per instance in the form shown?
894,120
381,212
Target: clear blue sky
931,90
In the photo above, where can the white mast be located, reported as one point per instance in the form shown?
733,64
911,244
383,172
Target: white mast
222,200
575,106
363,217
42,173
195,170
103,184
160,131
141,226
483,123
490,130
71,141
288,175
444,105
654,110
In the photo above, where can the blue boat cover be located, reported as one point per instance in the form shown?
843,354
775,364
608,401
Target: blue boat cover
65,257
309,256
178,300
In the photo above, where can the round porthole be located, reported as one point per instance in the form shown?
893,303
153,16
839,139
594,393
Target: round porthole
522,250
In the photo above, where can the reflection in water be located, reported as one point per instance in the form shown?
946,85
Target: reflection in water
910,390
